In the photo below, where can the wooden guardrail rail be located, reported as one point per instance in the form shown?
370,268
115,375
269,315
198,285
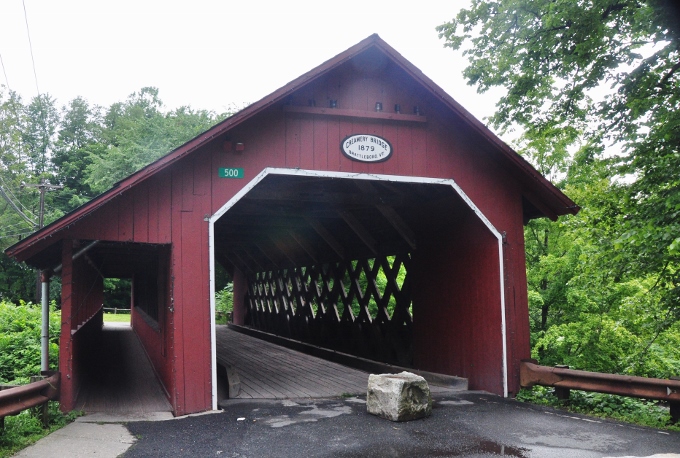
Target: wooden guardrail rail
564,379
15,400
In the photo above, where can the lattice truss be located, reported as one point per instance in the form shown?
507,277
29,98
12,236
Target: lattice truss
365,301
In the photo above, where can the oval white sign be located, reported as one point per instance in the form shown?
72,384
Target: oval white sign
366,148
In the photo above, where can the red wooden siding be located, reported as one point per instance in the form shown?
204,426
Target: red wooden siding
456,306
432,149
81,320
457,325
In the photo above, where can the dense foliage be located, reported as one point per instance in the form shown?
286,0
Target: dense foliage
20,330
24,429
593,87
81,147
632,410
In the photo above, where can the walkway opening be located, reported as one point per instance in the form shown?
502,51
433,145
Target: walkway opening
401,270
118,378
113,363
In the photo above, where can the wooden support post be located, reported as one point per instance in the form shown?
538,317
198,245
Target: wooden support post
562,393
240,290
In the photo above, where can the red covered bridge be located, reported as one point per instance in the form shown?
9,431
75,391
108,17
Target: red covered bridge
358,208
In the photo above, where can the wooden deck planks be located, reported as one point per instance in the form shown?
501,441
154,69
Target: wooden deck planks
269,371
120,379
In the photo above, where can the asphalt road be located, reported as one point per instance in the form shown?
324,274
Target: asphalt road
462,424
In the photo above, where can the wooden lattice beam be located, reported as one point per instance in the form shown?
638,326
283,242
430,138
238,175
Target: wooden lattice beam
303,303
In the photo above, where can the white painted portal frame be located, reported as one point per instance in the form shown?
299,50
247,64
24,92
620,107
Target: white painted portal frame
350,176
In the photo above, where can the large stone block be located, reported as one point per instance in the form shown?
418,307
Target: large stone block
398,397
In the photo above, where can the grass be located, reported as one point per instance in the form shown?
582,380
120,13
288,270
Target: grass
116,318
25,429
620,408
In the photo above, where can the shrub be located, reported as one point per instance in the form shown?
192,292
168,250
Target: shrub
639,411
20,329
224,303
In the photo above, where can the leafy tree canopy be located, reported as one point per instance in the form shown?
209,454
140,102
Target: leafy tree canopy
594,87
84,148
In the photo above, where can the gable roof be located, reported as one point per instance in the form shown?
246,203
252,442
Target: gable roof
545,198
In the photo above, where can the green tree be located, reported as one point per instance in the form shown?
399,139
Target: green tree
137,132
40,122
16,218
594,89
20,327
82,147
79,138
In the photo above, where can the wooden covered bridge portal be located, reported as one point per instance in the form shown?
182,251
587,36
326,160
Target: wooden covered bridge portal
358,208
338,260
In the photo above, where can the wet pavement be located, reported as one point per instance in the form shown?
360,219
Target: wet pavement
469,424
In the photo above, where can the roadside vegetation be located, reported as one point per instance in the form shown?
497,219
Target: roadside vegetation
591,92
26,428
20,327
630,410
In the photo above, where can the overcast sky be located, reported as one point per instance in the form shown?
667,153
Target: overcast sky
212,54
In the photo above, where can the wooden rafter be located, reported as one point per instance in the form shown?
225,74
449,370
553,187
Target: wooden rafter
305,246
327,237
325,197
266,254
360,230
389,213
283,249
399,224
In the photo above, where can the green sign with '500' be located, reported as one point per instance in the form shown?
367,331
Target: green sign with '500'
231,172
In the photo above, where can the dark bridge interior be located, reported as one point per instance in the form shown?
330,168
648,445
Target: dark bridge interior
299,221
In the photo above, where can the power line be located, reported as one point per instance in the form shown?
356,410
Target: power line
20,223
3,194
30,46
5,73
43,187
8,189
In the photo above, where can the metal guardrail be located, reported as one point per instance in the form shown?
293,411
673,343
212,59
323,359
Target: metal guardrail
564,379
15,400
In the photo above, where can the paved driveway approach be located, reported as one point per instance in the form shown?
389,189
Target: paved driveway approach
469,424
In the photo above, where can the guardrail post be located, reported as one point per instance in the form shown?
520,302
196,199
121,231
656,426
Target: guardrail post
675,407
667,390
41,410
560,392
2,419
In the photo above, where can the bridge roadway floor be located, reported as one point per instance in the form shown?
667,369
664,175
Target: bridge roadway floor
121,381
269,371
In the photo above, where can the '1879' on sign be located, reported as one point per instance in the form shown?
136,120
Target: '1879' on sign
366,148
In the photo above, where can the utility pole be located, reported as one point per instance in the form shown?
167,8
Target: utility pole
43,281
43,187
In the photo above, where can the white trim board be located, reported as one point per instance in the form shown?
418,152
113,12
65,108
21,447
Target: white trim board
353,176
